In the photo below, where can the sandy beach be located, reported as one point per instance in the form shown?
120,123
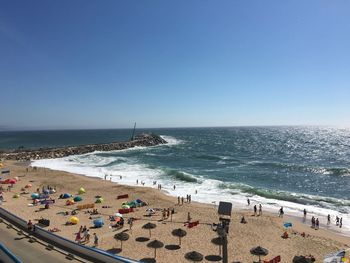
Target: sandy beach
265,230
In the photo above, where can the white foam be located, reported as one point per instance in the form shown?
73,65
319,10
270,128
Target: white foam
171,140
128,170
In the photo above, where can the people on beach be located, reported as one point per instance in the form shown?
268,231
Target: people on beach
255,210
305,212
174,187
337,221
30,225
178,200
328,219
341,222
188,217
248,201
313,222
281,212
243,221
317,224
95,240
182,200
260,210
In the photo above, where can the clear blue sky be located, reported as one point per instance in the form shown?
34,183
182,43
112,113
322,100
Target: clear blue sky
106,64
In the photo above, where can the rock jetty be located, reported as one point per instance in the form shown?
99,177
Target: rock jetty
144,140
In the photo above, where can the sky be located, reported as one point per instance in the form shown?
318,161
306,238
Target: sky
188,63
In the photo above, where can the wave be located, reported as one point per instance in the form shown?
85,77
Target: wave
336,171
304,199
172,140
181,176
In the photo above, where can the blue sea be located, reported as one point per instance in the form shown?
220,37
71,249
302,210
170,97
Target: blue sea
293,167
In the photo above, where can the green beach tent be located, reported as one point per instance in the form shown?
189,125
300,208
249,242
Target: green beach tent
99,200
81,191
78,199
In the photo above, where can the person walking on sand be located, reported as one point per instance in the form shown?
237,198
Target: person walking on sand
281,212
328,219
260,210
178,200
341,222
305,212
248,201
317,224
255,209
95,240
313,222
182,200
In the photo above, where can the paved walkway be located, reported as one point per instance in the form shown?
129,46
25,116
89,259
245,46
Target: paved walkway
29,252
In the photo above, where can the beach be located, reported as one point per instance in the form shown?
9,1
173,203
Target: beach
265,230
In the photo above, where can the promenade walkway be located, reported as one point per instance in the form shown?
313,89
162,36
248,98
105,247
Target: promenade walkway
30,252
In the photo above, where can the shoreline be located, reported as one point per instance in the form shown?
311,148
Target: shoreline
266,229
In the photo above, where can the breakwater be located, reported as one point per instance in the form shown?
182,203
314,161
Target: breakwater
143,140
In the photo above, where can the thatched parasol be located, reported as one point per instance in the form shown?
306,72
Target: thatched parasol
259,251
179,233
149,226
155,244
122,236
219,242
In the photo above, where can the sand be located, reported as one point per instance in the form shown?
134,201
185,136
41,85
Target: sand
265,230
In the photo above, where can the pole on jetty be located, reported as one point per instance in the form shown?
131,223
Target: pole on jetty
133,133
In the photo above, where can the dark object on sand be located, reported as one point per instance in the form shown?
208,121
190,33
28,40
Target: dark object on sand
194,256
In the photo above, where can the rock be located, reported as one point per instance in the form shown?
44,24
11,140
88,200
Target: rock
144,140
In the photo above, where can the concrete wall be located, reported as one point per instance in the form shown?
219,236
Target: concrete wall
7,256
92,254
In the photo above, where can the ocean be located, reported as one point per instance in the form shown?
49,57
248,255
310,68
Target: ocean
293,167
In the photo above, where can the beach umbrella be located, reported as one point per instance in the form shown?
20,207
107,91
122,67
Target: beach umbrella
155,244
98,222
81,191
28,186
70,202
99,200
194,256
149,226
16,178
179,233
77,199
219,242
259,251
74,220
122,236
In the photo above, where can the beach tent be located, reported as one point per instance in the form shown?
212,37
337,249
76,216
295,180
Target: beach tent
125,206
15,195
98,222
74,220
77,199
34,196
99,200
28,186
81,191
66,195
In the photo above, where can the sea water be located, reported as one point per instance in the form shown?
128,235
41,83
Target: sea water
294,167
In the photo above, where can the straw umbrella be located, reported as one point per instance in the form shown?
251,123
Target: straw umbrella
179,233
155,244
194,256
149,226
259,251
122,236
219,242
